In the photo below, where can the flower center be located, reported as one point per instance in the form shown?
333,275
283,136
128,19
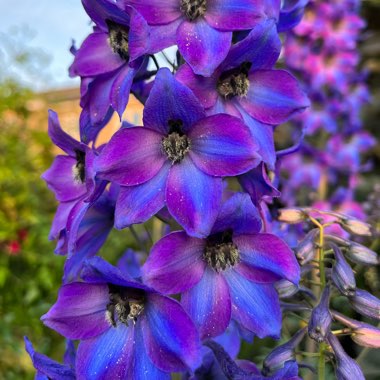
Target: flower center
118,37
221,252
193,9
234,82
79,172
176,144
125,305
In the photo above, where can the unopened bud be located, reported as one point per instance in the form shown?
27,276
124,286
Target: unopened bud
291,215
366,304
362,255
320,319
337,240
362,333
346,367
305,250
342,274
355,226
283,353
287,289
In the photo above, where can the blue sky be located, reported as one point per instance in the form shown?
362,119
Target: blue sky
54,23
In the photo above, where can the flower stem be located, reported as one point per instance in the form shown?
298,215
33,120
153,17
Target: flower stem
321,362
322,279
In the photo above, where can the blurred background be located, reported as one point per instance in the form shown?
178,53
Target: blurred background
35,37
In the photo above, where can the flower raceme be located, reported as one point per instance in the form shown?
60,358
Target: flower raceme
177,159
212,117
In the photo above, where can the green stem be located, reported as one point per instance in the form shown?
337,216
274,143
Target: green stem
322,279
321,362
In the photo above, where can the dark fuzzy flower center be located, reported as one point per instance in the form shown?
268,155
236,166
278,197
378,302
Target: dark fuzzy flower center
234,82
221,252
125,305
175,144
193,9
118,37
79,172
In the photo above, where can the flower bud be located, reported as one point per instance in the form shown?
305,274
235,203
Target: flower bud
362,255
346,367
362,333
337,240
320,319
286,289
366,304
283,353
305,250
355,226
291,215
342,274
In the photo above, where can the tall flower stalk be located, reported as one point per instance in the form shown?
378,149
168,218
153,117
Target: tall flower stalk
211,271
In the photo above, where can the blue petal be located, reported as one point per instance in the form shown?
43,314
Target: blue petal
261,47
209,304
239,214
255,306
171,339
193,197
137,204
108,356
46,367
263,135
171,100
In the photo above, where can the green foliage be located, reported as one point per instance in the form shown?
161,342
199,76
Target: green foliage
30,274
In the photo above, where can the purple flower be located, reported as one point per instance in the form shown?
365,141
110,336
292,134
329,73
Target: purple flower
126,329
229,274
71,178
177,159
107,62
50,369
203,29
246,85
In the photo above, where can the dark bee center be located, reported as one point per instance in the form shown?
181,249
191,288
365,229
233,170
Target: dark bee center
175,144
234,82
221,252
125,305
118,37
79,172
193,9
